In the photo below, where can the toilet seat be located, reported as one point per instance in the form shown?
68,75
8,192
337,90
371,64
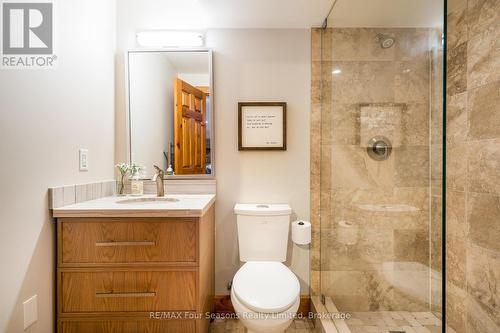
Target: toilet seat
266,286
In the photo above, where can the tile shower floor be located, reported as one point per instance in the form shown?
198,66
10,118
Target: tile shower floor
360,322
394,321
235,326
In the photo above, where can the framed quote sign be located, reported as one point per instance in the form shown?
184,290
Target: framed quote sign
262,126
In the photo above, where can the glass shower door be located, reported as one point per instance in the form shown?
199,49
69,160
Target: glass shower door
381,175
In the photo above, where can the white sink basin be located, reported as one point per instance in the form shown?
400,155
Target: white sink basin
136,201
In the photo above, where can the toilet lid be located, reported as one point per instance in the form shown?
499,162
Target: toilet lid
266,286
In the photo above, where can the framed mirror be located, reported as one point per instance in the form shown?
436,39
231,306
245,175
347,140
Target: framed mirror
170,112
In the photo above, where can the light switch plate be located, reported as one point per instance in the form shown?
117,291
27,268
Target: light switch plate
30,307
84,160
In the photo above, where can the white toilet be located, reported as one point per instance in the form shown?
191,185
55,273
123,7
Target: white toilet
265,293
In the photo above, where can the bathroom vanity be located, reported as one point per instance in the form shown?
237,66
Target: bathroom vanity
135,264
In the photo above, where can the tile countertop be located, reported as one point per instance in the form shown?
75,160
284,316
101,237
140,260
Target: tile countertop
188,205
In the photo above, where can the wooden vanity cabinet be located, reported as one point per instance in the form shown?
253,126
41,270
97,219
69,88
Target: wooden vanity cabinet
131,274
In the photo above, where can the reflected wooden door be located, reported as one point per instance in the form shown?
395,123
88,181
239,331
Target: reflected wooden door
189,129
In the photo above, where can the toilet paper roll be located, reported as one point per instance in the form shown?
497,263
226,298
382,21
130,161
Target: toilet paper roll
347,233
301,232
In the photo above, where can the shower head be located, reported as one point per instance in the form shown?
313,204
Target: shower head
385,41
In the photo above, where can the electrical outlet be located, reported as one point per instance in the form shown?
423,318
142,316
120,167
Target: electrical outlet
84,159
30,307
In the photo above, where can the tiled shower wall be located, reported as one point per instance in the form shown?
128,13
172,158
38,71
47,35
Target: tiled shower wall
473,168
360,90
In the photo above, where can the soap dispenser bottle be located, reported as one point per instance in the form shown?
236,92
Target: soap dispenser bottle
136,183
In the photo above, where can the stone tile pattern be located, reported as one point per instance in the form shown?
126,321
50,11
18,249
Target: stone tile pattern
235,326
473,166
387,321
71,194
355,83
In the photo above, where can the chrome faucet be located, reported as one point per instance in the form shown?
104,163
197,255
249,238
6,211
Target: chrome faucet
158,178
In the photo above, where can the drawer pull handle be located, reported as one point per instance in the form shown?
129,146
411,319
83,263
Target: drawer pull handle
126,294
126,243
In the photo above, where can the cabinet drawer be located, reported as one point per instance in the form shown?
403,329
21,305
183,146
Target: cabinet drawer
128,326
127,240
127,291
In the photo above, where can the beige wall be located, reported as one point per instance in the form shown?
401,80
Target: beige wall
152,109
249,65
473,172
45,117
260,65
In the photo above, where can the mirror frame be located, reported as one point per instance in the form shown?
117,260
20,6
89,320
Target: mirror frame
210,118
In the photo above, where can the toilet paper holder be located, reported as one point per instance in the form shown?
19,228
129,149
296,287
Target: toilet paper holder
301,232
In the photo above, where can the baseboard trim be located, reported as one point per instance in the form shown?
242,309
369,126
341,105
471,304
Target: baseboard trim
223,305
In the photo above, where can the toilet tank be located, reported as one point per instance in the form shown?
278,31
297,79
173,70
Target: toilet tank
262,231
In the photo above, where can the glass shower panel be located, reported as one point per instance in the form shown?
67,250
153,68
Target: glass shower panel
381,162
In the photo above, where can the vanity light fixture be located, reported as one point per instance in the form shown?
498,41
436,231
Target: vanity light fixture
336,71
170,38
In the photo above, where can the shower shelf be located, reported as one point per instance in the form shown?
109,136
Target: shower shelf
388,208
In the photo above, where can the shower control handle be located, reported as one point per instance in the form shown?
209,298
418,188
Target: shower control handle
379,148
